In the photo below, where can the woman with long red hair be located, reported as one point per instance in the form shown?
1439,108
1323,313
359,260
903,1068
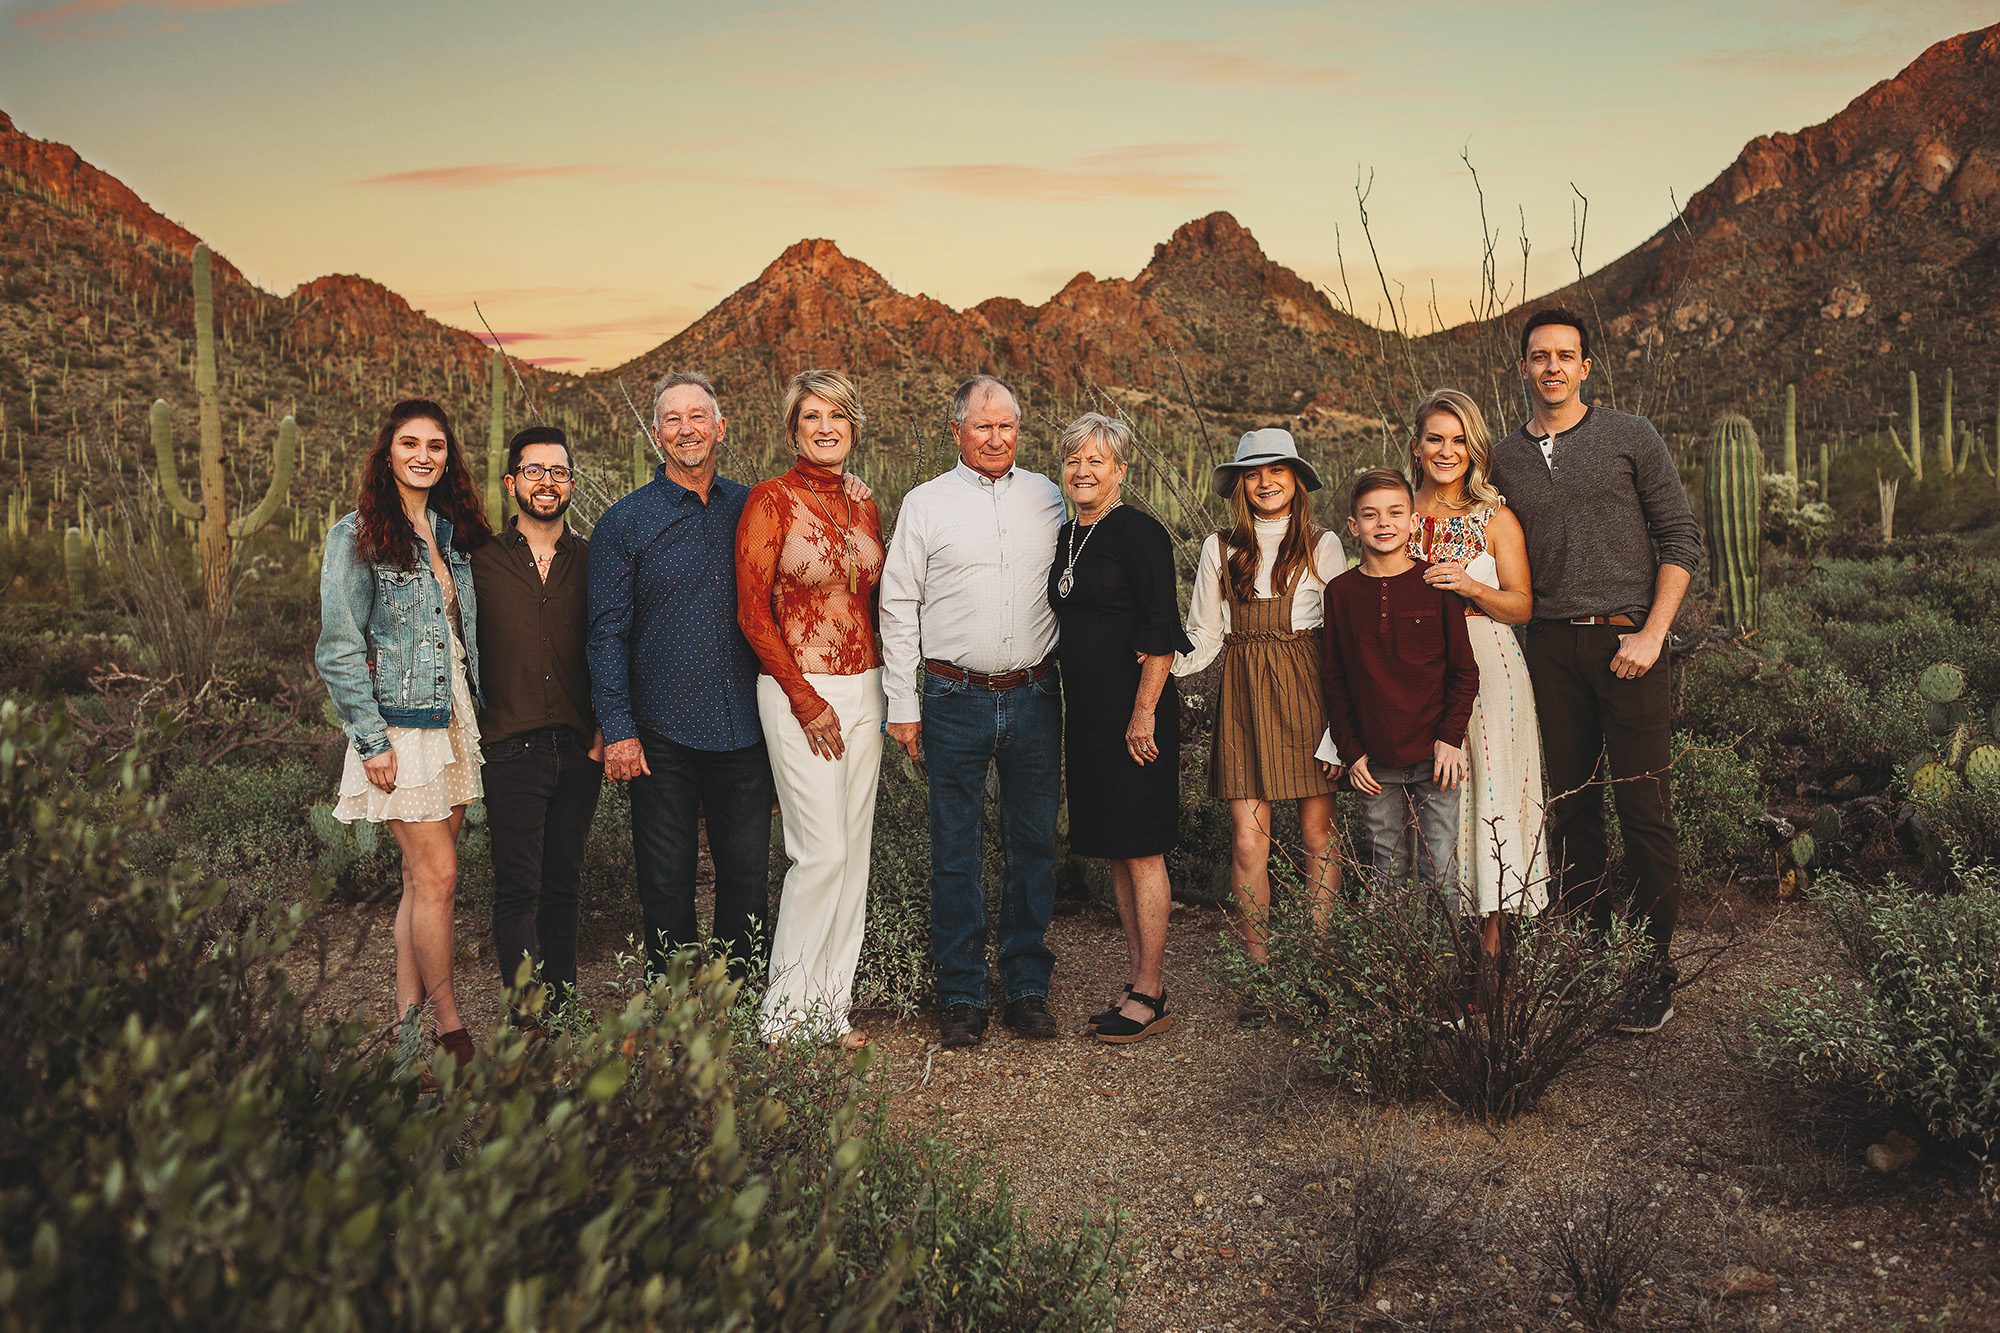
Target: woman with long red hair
400,658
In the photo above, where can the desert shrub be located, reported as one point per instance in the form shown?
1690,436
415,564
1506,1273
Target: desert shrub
1827,687
1393,999
986,1266
1382,1211
1602,1246
1913,1024
895,971
1715,796
248,822
183,1145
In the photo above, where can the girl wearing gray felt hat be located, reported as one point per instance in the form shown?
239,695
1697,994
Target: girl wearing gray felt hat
1271,444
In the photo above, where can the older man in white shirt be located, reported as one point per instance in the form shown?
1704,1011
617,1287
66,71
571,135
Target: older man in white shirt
968,664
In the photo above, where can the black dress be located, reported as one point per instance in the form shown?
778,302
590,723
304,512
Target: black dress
1122,603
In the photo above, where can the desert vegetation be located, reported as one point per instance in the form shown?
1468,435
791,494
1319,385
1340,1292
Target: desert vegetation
210,1118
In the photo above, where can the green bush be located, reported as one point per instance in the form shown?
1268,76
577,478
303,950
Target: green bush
1715,796
895,971
1913,1023
1391,997
183,1145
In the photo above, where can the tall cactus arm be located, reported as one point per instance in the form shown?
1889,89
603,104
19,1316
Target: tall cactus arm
169,473
1915,466
280,488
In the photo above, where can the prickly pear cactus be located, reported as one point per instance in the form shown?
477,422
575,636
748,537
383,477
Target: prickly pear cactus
1982,771
1826,825
1941,683
1803,850
1944,719
1933,783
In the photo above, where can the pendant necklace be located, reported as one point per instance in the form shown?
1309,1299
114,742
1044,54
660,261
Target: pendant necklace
846,537
1068,579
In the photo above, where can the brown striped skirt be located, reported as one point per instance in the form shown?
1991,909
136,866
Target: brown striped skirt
1268,718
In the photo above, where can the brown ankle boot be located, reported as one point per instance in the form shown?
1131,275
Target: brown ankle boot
459,1043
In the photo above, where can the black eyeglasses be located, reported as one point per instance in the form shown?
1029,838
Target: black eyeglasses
536,471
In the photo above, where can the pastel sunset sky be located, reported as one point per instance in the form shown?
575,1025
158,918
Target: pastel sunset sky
597,174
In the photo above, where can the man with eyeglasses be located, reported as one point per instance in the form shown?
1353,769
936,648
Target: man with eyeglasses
543,755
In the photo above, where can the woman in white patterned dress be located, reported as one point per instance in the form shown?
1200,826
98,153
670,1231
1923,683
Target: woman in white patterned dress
1474,547
400,659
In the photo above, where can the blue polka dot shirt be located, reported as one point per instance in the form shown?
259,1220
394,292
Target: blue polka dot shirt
666,655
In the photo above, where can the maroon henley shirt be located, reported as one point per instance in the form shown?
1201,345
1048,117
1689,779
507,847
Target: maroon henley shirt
1397,667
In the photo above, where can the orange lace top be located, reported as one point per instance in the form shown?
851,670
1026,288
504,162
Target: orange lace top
807,563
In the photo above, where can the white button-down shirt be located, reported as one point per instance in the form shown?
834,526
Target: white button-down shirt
967,579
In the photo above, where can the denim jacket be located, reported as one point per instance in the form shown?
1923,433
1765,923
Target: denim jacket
385,640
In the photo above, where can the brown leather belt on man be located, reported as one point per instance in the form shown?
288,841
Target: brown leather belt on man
980,680
1619,619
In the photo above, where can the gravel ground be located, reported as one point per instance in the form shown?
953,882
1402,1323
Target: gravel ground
1235,1159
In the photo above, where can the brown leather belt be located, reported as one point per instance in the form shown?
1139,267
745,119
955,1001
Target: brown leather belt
1471,611
979,680
1619,619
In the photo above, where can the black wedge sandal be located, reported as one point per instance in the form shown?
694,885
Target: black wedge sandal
1122,1031
1105,1015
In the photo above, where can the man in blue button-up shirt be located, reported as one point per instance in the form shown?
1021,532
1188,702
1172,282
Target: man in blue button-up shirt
675,683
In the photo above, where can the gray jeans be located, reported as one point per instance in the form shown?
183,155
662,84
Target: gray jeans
1410,796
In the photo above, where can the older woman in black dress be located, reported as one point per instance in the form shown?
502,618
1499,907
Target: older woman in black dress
1112,588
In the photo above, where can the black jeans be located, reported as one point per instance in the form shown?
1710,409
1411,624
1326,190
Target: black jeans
733,790
541,792
1591,717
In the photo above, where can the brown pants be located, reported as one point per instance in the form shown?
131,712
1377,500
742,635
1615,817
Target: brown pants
1588,715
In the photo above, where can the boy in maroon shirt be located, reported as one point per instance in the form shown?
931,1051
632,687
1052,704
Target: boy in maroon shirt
1399,680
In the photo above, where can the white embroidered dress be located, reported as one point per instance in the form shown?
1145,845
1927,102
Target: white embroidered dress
1500,804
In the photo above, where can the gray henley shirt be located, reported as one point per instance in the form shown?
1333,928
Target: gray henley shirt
1602,513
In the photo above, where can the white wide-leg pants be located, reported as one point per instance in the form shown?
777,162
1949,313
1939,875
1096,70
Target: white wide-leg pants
828,811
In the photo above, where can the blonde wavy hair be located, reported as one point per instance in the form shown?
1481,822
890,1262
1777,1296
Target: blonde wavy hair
831,385
1479,488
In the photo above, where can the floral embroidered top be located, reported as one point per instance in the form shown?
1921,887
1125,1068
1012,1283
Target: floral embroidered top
1459,537
808,561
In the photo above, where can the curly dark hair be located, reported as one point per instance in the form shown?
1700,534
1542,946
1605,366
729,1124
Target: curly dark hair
383,533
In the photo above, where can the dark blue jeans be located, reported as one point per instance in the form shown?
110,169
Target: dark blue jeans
732,789
541,791
966,731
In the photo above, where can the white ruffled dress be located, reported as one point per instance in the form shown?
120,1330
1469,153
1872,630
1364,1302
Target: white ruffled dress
437,768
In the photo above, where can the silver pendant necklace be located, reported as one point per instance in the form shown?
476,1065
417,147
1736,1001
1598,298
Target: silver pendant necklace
1068,579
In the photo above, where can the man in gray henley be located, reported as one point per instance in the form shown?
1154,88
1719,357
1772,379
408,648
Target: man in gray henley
1612,544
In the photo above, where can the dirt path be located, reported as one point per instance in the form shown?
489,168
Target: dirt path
1231,1157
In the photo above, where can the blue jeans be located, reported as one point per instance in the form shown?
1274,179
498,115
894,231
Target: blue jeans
733,790
966,731
1411,795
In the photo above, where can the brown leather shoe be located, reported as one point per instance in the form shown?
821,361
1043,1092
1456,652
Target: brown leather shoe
459,1042
962,1025
1029,1017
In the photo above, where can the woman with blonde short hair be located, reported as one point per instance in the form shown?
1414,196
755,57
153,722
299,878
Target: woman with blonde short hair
1112,590
808,558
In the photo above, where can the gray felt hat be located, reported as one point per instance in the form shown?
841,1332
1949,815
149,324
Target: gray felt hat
1272,444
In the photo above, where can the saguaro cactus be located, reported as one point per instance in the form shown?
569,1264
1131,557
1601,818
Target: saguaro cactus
74,570
643,461
496,444
1916,455
1733,501
218,530
1944,431
1791,455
